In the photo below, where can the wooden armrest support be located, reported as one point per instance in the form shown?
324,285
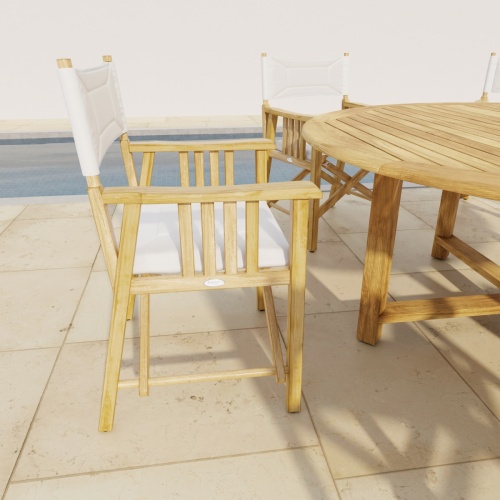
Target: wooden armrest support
147,195
466,181
185,146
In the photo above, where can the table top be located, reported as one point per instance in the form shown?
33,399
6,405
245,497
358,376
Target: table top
450,146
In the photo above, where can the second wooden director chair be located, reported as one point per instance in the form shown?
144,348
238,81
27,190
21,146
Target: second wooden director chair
293,91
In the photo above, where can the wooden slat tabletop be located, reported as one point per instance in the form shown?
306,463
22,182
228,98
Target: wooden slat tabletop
450,146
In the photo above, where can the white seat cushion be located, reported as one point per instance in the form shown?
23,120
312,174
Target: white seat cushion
158,246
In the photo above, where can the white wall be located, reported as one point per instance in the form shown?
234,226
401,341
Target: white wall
202,57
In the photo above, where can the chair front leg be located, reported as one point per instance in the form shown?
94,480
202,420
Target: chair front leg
121,302
296,303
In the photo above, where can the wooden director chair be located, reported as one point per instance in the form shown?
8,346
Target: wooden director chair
293,92
175,239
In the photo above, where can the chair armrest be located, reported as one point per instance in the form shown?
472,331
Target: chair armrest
287,114
346,104
186,146
147,195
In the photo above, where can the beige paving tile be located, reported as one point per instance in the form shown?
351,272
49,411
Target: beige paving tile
175,423
4,225
325,232
48,244
476,221
351,215
438,284
420,194
333,281
471,481
38,306
10,212
491,203
187,312
395,406
412,252
56,211
23,375
294,474
471,345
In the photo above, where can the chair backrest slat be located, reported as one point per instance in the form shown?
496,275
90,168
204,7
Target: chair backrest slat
230,238
199,168
252,236
184,168
186,239
208,238
214,168
229,168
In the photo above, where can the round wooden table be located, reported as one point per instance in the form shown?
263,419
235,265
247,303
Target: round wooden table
454,147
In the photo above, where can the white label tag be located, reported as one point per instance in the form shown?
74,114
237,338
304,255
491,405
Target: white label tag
214,283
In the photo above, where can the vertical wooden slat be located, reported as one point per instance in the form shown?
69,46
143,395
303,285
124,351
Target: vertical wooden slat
198,168
229,167
296,138
214,168
289,137
128,160
284,137
186,239
252,236
302,144
147,169
208,237
296,299
261,166
230,238
184,168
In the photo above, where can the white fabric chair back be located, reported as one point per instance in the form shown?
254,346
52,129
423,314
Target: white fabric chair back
95,111
305,86
492,81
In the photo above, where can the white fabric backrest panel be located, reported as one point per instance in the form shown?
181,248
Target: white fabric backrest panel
158,246
490,73
285,78
95,111
495,87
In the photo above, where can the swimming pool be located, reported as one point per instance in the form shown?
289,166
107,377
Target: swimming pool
49,167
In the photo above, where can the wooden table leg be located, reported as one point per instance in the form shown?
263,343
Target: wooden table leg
378,260
445,222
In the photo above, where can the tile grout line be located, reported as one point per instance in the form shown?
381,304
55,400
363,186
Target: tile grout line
457,372
35,413
165,464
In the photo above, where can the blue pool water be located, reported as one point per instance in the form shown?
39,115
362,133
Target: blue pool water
49,167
